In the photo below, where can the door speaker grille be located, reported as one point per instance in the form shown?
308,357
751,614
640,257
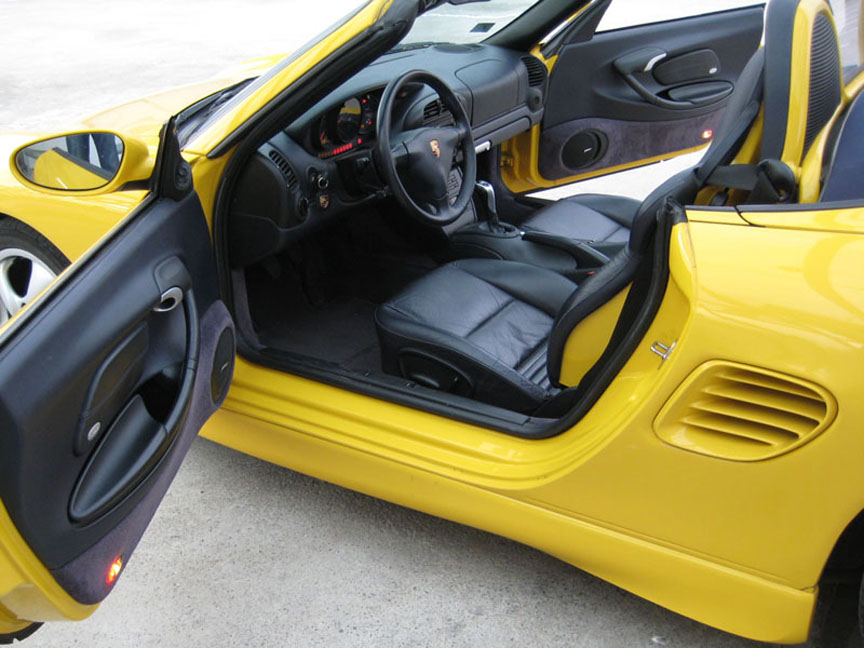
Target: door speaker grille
743,413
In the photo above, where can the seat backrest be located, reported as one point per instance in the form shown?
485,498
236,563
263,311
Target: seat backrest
843,168
803,77
800,89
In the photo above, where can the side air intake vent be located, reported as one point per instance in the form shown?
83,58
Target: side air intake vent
284,167
436,114
742,413
537,73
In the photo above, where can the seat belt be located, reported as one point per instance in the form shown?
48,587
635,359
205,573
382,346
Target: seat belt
769,182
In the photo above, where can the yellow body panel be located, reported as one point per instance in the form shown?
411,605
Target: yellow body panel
27,591
847,220
608,495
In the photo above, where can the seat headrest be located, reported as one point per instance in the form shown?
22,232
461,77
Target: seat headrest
803,77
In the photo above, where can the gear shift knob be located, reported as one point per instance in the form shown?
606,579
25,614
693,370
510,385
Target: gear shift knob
487,190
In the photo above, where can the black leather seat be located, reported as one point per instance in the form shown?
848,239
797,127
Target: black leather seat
476,327
496,330
607,219
591,217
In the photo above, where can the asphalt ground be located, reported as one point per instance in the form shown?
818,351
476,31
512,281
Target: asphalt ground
250,554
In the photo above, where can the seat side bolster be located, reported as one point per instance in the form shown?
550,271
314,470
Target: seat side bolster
610,280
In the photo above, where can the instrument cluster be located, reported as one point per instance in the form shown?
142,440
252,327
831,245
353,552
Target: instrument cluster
348,126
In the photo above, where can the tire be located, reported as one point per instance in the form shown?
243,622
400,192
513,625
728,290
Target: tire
861,610
21,635
28,262
837,619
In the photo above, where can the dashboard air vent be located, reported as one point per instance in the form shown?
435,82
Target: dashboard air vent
743,413
537,73
436,114
284,167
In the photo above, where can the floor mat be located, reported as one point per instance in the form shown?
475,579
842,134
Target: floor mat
341,332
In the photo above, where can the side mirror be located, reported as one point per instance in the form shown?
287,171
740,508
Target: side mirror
92,162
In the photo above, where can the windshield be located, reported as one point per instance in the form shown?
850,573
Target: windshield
225,101
465,23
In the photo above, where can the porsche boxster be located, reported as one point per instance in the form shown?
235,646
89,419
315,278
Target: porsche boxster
335,262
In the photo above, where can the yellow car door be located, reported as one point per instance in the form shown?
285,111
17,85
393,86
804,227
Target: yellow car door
104,382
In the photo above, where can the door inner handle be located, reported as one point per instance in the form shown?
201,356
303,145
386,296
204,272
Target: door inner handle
688,97
170,300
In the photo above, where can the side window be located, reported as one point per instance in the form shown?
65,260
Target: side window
847,15
630,13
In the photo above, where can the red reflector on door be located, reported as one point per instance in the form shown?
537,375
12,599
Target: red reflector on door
114,570
707,134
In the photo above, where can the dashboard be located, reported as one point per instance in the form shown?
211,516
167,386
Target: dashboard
322,164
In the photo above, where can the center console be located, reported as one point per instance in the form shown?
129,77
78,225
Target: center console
492,239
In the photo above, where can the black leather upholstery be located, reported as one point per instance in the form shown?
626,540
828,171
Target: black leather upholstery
495,330
590,217
488,320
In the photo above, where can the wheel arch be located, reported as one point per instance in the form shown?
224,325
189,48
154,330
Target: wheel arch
848,551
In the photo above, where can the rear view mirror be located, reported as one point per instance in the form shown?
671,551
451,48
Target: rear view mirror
89,162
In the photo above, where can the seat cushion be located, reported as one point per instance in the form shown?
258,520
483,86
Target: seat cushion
589,217
485,321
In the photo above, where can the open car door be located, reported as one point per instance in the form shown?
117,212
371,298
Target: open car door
626,97
104,383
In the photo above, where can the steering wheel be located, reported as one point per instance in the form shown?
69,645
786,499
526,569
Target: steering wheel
416,164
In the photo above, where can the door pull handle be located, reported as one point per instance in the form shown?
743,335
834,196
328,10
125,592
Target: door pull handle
170,300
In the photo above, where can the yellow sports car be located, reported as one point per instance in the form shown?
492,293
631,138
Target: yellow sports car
335,264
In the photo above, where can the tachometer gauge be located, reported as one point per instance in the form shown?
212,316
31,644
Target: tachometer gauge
349,120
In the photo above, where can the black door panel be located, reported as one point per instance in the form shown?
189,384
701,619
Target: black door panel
101,392
623,142
643,92
585,72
